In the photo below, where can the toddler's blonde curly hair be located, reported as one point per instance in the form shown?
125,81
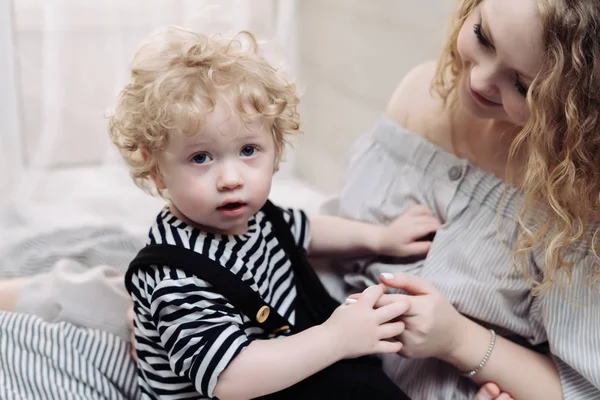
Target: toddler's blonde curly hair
177,77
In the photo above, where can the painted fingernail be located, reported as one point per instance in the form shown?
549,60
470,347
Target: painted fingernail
387,275
350,301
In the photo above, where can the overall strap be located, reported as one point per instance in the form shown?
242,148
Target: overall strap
319,302
226,282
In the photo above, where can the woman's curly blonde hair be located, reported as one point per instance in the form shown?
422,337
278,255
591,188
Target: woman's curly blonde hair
561,138
177,77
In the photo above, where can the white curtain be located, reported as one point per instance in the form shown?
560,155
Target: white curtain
63,63
11,151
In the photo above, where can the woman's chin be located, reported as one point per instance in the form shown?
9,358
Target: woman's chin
476,110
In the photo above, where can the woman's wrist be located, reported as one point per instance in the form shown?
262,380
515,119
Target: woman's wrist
485,358
472,344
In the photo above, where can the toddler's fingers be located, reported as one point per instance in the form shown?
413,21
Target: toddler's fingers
391,330
130,317
354,296
388,346
417,248
419,209
370,295
489,391
425,225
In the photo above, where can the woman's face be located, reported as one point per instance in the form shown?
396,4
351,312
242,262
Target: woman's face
500,45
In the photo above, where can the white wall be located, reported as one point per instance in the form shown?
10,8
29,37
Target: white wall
353,53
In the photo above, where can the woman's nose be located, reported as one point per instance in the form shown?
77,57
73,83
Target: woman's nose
483,81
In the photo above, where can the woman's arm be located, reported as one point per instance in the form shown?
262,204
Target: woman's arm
513,367
568,314
435,329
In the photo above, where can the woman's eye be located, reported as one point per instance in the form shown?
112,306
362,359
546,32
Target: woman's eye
521,88
201,158
479,34
248,151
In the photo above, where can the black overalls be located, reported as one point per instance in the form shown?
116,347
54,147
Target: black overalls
360,378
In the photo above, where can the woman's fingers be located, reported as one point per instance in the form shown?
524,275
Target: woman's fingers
392,310
409,283
387,299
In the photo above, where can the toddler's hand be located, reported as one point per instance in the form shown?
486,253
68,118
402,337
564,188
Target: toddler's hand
400,238
358,329
131,332
491,391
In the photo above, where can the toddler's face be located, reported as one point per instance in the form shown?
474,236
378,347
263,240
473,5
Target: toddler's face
218,179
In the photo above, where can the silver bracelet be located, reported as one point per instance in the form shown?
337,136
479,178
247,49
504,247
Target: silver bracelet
485,358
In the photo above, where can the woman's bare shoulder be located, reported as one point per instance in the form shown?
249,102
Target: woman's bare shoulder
414,106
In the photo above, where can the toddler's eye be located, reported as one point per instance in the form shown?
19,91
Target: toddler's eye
201,158
248,151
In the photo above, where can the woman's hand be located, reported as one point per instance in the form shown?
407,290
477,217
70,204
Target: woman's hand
432,324
403,237
434,328
131,332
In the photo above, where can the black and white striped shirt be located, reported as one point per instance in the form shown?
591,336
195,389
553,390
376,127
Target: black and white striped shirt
186,332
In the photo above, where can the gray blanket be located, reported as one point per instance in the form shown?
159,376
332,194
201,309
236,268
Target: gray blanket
41,359
25,251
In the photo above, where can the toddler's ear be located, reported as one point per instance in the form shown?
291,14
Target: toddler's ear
158,179
154,172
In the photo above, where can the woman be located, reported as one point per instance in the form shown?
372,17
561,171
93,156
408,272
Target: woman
515,98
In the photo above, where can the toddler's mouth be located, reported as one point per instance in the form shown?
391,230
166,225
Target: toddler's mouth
231,206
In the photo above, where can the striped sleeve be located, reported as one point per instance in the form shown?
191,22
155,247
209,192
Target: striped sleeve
299,225
571,316
199,329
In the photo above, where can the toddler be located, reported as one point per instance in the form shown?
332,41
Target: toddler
226,304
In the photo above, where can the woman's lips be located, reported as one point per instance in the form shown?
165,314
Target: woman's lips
482,100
